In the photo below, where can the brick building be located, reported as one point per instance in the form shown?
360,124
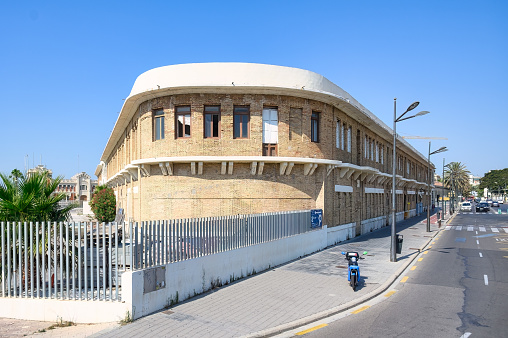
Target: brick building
213,139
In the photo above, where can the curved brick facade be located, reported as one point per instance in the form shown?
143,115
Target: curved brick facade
191,143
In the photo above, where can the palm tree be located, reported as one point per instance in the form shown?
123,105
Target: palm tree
30,199
16,174
456,178
33,198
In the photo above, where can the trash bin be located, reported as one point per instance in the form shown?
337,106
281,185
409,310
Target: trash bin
399,240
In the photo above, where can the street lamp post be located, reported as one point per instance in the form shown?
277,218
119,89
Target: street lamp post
393,253
442,198
440,150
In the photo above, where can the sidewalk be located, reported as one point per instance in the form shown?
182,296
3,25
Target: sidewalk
284,297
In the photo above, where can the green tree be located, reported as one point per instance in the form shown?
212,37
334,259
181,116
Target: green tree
495,180
456,178
103,204
31,199
16,174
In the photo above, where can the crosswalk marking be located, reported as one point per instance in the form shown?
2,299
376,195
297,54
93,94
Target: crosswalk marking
473,228
483,213
505,229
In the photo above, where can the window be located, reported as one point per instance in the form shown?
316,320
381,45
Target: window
377,152
158,124
183,121
366,147
372,150
342,136
314,127
382,155
241,120
337,135
349,131
212,122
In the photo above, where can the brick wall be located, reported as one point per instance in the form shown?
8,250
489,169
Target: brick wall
212,194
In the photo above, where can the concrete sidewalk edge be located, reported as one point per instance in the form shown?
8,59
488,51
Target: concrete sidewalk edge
344,307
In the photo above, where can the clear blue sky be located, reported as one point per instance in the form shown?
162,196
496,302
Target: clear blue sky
65,66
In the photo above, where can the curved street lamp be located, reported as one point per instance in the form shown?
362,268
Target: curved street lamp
440,150
393,253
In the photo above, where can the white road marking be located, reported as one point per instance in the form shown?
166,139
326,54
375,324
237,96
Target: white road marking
477,242
482,229
448,227
465,335
481,256
486,279
469,228
476,232
495,230
505,229
458,227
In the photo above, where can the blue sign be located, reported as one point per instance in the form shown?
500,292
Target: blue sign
316,218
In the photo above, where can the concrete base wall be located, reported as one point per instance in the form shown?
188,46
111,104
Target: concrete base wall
372,224
53,310
186,279
340,233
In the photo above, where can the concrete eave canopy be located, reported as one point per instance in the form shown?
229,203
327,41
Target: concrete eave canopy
242,78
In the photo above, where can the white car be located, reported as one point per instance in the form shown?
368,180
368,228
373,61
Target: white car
466,206
500,201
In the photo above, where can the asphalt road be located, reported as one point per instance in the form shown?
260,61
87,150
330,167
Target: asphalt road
458,287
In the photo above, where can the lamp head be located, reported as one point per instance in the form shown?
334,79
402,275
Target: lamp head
412,106
423,112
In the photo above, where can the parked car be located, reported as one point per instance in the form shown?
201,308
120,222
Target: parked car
465,206
495,204
489,202
500,201
483,206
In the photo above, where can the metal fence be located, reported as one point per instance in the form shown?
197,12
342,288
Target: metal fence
75,261
85,261
163,242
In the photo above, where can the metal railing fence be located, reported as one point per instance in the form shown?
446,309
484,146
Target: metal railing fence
163,242
85,260
74,261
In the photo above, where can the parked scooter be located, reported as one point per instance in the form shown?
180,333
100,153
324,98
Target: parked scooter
353,269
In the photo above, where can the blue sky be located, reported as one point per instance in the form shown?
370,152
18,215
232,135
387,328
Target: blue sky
65,66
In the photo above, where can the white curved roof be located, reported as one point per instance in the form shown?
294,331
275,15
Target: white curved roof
241,78
222,74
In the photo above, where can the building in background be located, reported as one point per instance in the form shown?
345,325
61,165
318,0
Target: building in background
218,139
39,169
78,189
474,180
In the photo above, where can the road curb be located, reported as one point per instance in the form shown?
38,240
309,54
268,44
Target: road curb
344,307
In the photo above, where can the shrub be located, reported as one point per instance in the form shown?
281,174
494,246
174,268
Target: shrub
103,204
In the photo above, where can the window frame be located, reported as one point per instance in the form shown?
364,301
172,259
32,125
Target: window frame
349,135
314,126
158,121
212,113
183,113
241,124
